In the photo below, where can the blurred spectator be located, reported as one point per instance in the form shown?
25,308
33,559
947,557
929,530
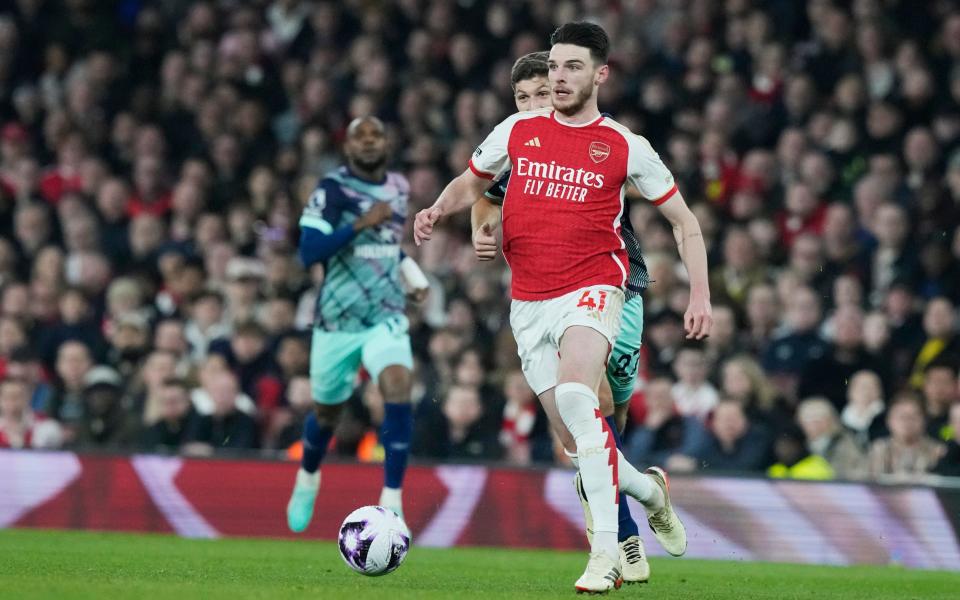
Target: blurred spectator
940,330
23,364
108,420
287,426
206,322
741,268
795,460
733,443
865,412
663,337
694,395
723,342
949,464
129,343
524,430
742,379
73,363
20,427
762,315
829,375
76,323
175,416
940,392
908,452
789,353
665,437
892,259
226,427
456,432
202,397
825,437
250,358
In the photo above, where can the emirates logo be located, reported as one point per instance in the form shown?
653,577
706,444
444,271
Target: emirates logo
599,152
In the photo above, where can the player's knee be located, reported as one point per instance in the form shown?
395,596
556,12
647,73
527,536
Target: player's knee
395,384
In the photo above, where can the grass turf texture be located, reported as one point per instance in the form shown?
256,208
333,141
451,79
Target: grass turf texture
66,565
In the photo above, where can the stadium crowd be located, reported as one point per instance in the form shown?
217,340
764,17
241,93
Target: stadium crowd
155,156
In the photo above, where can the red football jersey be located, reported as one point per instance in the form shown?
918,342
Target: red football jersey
562,209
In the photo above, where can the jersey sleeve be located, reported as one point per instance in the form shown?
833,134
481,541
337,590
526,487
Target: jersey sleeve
324,207
491,159
647,172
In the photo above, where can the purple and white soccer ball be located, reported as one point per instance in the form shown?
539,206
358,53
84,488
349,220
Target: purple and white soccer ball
374,540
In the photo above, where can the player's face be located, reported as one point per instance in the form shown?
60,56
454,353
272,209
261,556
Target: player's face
366,145
531,94
573,77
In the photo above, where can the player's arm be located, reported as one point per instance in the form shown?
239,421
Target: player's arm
319,240
693,253
484,220
459,195
490,161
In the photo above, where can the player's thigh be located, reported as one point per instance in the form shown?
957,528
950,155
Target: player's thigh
538,355
548,399
625,357
334,362
387,356
586,329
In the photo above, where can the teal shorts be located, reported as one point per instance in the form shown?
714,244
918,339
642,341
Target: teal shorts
625,358
336,356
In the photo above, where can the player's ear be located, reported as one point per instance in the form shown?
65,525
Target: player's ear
602,74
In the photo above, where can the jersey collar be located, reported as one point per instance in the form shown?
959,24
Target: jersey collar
553,115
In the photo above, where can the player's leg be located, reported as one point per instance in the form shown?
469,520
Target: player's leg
334,361
388,358
651,488
583,351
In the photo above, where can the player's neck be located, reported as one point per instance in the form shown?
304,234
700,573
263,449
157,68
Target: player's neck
589,113
375,176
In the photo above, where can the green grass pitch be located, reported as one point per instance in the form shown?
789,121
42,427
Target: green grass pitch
66,565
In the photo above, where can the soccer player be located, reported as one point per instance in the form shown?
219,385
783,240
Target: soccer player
531,90
353,224
561,221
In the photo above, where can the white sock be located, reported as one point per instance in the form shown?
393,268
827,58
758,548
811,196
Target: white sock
639,486
580,410
390,498
573,458
308,480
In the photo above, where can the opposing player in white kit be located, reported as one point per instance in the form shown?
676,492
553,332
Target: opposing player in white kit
561,216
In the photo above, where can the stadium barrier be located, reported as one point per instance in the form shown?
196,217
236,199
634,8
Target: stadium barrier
470,505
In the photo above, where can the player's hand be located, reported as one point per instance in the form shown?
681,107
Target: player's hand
378,213
423,224
485,243
698,319
418,295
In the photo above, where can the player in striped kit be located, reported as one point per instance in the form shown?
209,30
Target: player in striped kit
353,224
561,229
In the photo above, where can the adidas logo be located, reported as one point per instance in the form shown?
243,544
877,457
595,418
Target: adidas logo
535,142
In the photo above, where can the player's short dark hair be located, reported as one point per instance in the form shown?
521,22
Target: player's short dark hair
529,66
586,35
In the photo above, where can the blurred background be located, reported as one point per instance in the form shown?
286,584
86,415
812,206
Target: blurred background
155,157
